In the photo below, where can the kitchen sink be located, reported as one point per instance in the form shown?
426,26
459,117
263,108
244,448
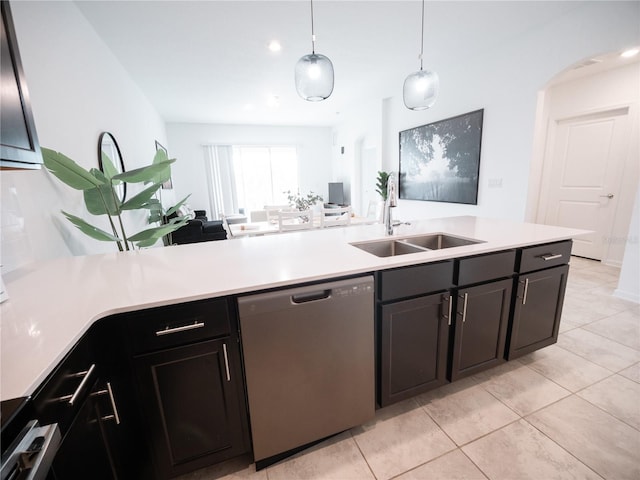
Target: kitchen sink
439,241
388,248
414,244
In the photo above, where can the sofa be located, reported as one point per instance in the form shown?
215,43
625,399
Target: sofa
198,229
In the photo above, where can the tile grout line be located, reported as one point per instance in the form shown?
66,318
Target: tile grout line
364,457
563,448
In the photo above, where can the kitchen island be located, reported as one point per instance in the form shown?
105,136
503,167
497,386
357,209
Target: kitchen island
52,304
74,294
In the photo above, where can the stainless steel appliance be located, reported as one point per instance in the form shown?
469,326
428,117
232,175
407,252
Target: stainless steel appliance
309,360
27,448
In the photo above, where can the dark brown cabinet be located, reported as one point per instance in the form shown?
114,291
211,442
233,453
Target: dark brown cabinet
86,451
412,330
82,404
538,299
480,327
19,147
190,391
414,349
190,395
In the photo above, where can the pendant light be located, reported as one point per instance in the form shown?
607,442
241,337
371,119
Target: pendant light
314,73
421,88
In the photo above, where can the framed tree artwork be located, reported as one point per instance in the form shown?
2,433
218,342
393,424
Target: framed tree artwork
440,161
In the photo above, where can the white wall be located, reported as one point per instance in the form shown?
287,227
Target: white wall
610,89
359,132
187,141
505,82
629,281
78,89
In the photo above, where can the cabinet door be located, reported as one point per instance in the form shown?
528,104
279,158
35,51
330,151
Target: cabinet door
192,398
84,452
482,315
537,310
413,351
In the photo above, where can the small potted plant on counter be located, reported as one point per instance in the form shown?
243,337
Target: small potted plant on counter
303,202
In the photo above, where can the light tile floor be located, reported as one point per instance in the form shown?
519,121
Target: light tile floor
571,410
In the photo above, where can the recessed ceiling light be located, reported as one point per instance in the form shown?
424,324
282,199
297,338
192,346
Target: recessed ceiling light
630,53
275,46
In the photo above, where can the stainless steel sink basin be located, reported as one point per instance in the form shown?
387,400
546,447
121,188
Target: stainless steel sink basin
419,243
439,241
387,248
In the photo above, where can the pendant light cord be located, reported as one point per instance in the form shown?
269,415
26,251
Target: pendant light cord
313,35
421,34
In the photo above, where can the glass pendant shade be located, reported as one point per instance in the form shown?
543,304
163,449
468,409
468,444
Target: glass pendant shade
314,77
420,90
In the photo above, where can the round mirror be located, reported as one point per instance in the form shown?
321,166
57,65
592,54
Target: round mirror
107,146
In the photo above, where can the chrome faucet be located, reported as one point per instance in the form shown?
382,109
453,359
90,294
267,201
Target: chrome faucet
389,203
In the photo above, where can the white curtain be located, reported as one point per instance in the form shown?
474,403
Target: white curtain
221,181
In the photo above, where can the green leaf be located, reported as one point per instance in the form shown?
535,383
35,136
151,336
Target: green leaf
177,205
68,171
160,156
109,168
156,232
90,230
147,243
141,199
145,174
101,201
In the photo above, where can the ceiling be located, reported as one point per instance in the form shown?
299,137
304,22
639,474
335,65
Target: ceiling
208,61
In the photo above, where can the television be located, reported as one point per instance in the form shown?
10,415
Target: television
440,161
336,193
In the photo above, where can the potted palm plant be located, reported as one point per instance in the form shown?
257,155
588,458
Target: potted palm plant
100,197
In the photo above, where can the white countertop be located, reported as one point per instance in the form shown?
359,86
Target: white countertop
54,303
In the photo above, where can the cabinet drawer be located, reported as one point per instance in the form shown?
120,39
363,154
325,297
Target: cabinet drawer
417,280
483,268
63,393
544,256
174,325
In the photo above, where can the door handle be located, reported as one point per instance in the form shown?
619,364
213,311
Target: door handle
449,300
609,196
109,391
465,298
184,328
226,362
526,290
85,375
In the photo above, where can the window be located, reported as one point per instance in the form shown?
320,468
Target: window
263,175
246,178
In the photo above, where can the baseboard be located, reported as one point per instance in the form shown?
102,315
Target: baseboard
631,296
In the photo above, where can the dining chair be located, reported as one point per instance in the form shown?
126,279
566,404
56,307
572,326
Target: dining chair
272,211
258,216
295,220
335,216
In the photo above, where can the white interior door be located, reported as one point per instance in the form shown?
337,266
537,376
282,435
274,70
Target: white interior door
587,156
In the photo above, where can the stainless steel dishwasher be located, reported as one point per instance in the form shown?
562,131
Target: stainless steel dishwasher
309,361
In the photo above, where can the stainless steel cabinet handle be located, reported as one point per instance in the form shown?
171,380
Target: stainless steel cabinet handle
71,399
526,290
464,308
449,299
610,195
551,256
184,328
113,404
109,391
226,361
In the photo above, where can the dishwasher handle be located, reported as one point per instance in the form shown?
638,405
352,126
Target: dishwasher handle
311,296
